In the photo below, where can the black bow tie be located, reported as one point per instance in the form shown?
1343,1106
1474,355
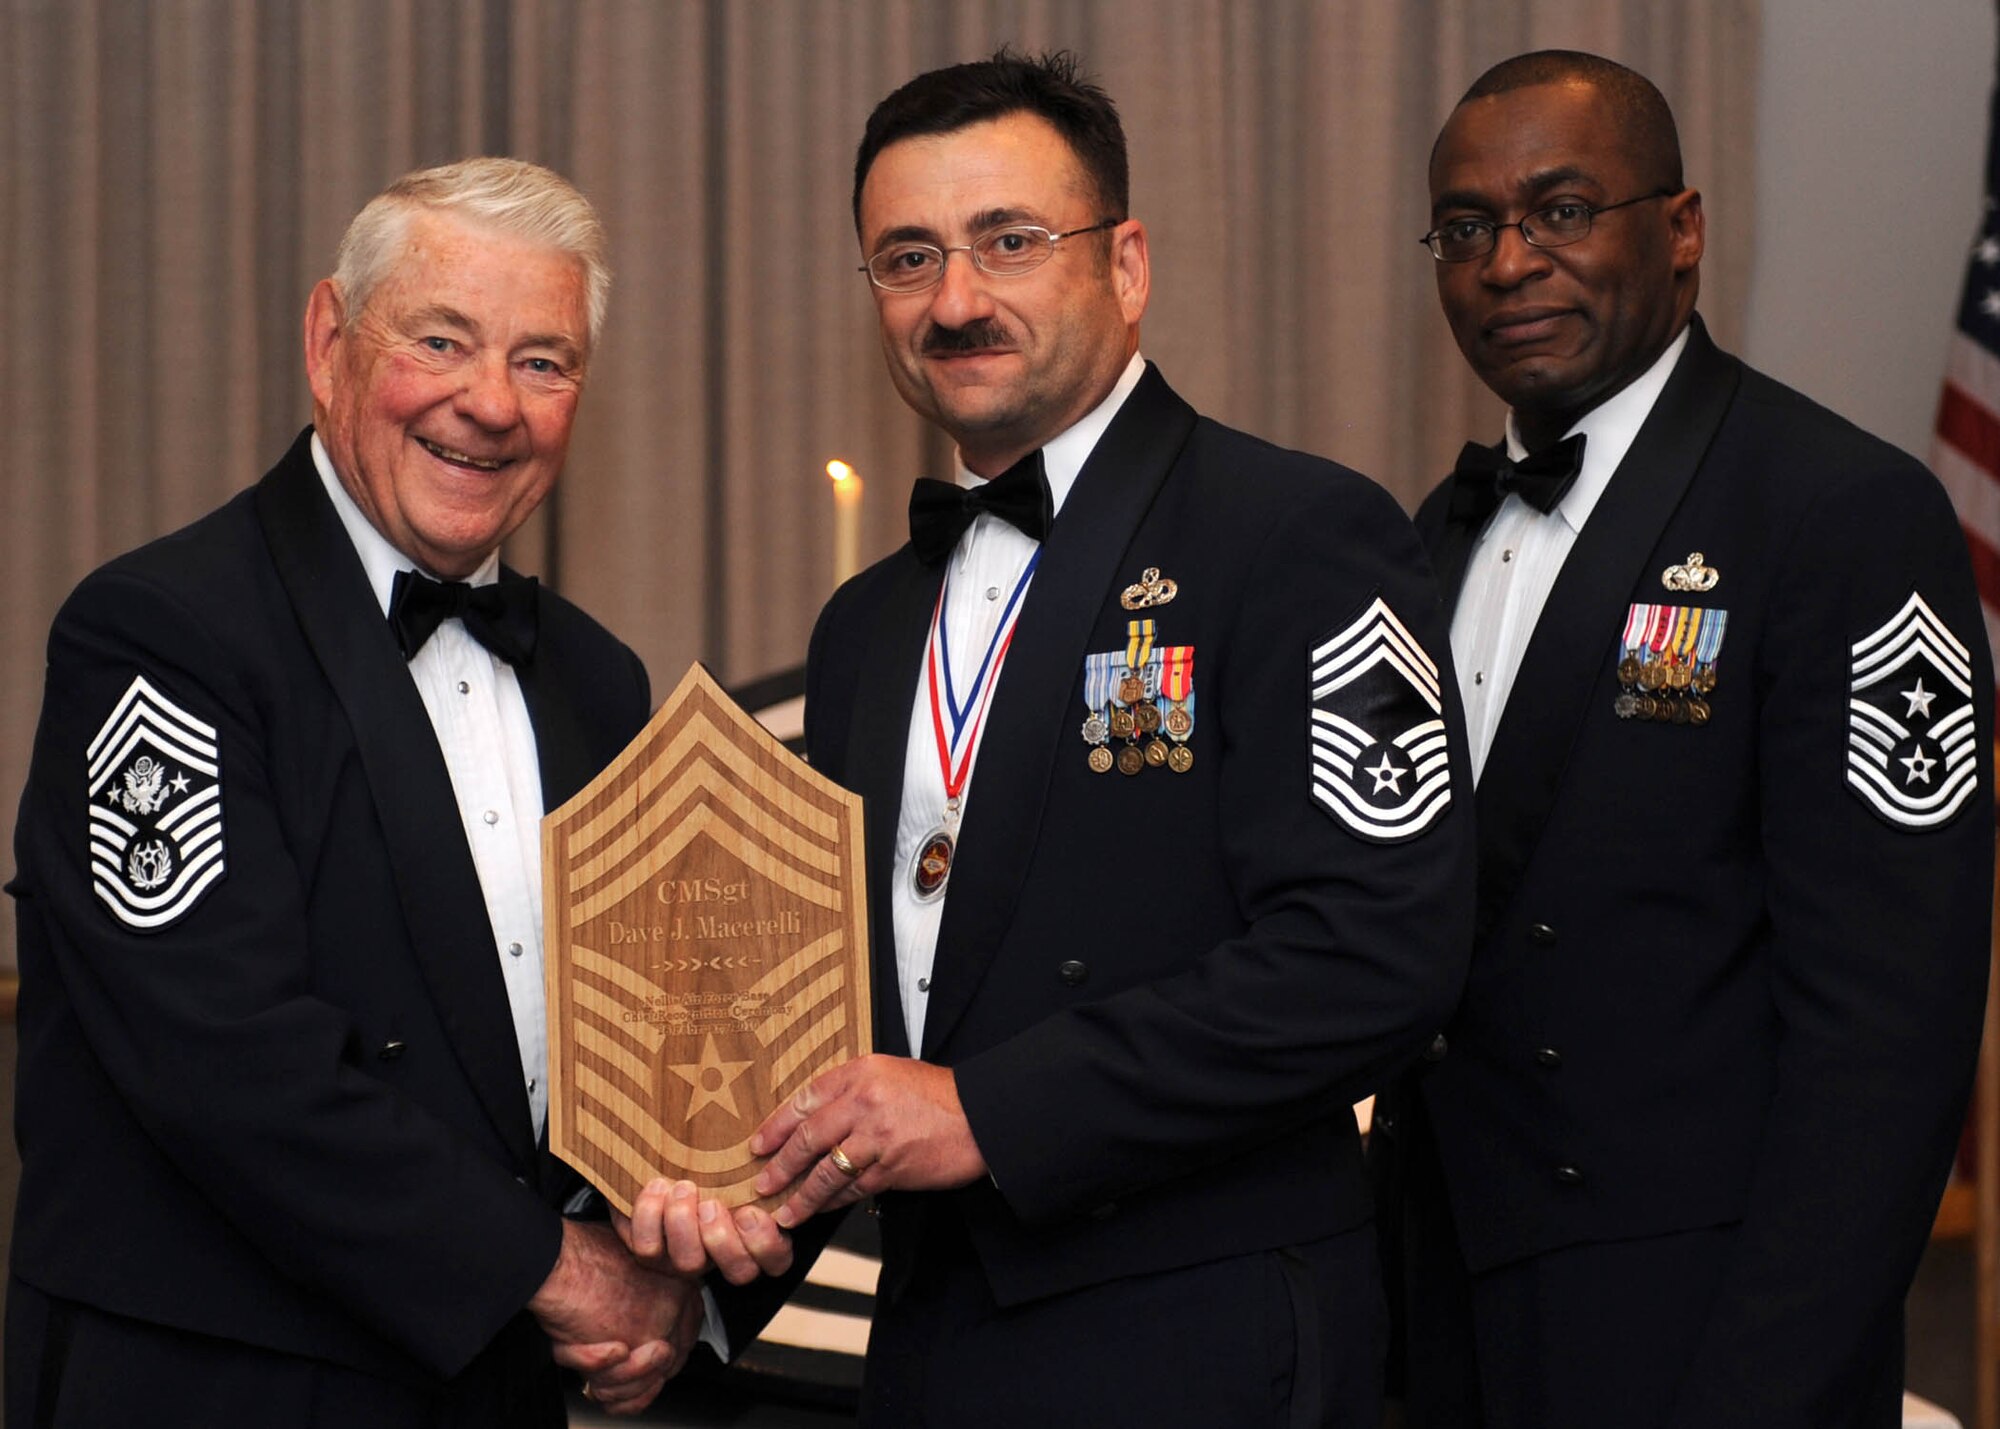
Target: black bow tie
500,616
941,510
1483,478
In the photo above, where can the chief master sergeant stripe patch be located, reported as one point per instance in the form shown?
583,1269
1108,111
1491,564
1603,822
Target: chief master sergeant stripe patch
155,810
1912,752
1380,762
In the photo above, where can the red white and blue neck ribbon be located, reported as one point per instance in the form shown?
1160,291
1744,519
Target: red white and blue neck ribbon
956,723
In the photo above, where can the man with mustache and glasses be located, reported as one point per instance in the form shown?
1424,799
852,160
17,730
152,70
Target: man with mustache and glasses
283,1057
1169,857
1729,701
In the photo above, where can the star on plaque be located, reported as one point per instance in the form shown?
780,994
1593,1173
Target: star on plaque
712,1078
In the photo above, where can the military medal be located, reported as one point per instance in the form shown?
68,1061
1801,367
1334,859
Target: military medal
1130,760
930,866
1155,752
1653,659
1706,650
1177,689
1638,621
1138,654
1096,697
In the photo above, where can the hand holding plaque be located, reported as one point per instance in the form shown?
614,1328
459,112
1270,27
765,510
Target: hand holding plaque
705,917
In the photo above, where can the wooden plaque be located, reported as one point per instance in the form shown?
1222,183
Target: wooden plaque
705,915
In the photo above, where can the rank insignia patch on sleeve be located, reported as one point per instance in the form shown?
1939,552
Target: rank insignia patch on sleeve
1380,765
155,810
1910,732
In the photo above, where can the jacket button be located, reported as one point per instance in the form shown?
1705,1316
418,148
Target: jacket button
1073,972
390,1051
1569,1176
1435,1052
1541,933
1548,1057
1384,1122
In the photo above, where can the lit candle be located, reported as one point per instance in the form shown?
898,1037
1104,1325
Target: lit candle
846,519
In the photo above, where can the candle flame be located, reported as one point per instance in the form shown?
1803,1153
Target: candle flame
840,470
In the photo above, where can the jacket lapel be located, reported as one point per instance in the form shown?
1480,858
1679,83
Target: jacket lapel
1450,543
878,748
442,904
563,747
1031,710
1585,610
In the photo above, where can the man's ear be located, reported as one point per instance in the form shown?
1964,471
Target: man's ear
326,320
1131,269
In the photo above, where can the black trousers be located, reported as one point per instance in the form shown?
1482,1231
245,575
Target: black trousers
1290,1339
72,1366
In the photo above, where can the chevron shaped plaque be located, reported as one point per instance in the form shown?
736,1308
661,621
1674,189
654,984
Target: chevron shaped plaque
706,949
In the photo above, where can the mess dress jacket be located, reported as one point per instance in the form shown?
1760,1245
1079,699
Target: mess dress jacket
1721,977
1159,993
293,1118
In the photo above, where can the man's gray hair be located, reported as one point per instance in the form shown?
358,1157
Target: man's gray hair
518,198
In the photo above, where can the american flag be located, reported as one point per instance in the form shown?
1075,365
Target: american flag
1966,453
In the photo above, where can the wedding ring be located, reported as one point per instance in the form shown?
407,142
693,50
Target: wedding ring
841,1163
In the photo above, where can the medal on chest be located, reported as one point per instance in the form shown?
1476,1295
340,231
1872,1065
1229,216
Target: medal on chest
956,725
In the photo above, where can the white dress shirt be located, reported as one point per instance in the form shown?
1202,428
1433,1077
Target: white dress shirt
981,574
1520,551
481,720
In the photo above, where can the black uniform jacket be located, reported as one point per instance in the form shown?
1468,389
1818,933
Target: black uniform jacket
1160,992
1714,982
295,1116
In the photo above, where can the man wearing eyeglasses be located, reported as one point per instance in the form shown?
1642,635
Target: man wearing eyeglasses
1730,711
1140,938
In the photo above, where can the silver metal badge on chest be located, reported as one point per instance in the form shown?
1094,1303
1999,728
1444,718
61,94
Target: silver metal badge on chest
1692,574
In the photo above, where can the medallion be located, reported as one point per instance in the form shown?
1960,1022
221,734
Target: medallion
1156,753
1698,711
1180,759
1130,760
1101,760
1146,715
1628,670
1096,729
930,867
1131,689
1179,723
1122,723
1626,705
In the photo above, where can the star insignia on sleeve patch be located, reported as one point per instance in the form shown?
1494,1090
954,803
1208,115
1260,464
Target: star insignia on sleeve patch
1380,764
1911,753
155,810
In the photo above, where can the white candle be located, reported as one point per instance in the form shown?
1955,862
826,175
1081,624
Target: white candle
846,519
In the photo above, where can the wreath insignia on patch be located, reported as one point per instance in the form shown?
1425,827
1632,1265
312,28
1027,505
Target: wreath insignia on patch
155,810
1911,753
1380,762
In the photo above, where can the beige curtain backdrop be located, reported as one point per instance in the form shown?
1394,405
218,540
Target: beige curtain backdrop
174,176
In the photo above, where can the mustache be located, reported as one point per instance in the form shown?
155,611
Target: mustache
970,338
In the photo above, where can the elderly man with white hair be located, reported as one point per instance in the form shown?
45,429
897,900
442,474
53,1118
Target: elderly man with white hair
283,1045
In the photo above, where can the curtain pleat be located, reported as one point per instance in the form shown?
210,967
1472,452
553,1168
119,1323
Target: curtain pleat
174,175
